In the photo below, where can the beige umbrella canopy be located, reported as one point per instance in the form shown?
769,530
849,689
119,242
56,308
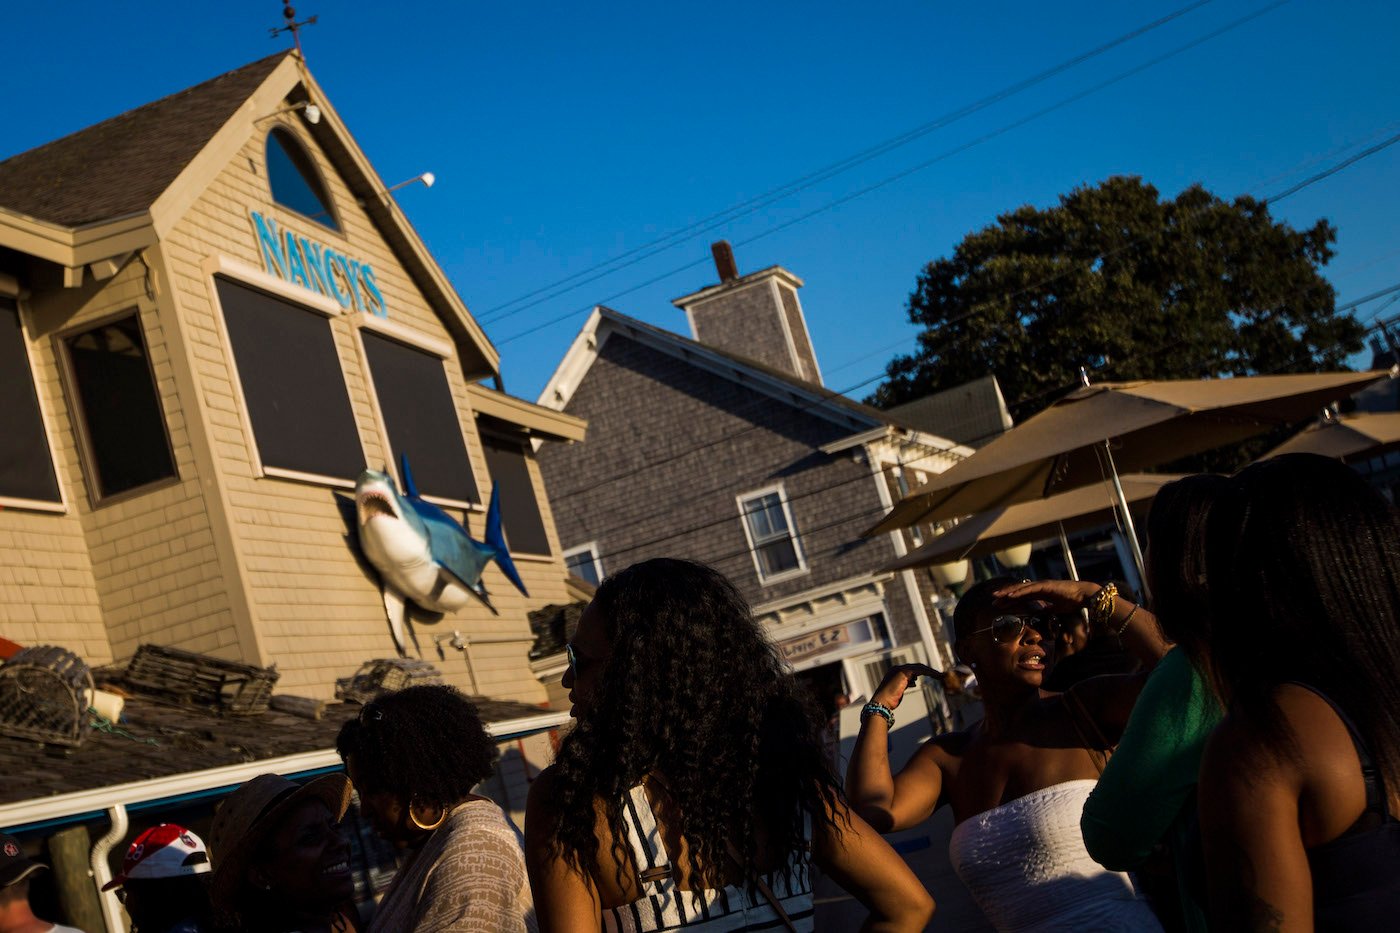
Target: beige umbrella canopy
1032,521
1345,437
1148,423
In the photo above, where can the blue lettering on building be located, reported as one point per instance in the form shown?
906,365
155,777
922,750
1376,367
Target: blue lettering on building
318,268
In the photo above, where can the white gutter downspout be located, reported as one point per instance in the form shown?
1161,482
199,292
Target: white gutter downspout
102,872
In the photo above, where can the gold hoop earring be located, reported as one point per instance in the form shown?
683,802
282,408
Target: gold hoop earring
413,818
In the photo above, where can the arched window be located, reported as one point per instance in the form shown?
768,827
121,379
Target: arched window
294,180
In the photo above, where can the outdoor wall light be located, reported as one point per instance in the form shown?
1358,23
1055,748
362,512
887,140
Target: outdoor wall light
427,178
312,112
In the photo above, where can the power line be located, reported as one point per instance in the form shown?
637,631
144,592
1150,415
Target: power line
826,395
1385,144
1064,102
861,477
759,201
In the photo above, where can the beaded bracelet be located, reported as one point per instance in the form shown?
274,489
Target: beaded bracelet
1118,632
877,709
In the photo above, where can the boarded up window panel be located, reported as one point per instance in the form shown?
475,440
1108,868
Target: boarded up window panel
416,402
520,513
292,384
26,469
117,400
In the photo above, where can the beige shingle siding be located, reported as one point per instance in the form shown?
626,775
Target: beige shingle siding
133,570
315,611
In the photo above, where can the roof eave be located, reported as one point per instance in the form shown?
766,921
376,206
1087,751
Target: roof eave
535,420
72,247
21,813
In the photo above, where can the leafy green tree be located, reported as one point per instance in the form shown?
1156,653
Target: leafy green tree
1130,286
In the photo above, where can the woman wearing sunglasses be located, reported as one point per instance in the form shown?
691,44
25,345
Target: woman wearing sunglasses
694,789
1017,780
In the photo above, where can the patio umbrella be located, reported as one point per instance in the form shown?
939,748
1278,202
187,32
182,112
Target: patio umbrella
1032,521
1345,437
1089,434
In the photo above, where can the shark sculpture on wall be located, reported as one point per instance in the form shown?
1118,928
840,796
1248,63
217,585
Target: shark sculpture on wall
424,555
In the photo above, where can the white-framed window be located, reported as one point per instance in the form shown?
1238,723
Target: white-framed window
772,535
916,534
583,562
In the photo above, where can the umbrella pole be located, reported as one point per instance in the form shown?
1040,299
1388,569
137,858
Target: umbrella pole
1069,556
1128,523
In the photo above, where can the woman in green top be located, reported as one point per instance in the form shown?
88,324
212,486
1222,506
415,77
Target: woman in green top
1145,802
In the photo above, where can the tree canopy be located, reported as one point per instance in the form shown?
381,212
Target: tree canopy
1130,286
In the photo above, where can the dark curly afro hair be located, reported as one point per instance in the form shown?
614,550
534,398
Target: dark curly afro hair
694,694
426,743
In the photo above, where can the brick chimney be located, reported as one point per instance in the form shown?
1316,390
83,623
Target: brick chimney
757,316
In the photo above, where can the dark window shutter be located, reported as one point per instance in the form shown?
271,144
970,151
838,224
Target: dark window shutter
26,469
520,513
421,419
121,411
292,383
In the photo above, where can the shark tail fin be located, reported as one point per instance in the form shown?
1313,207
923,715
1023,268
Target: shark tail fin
496,540
410,488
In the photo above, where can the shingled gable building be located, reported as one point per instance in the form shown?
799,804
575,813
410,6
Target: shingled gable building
725,447
213,316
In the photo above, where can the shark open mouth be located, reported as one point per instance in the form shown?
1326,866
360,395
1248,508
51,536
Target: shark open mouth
372,504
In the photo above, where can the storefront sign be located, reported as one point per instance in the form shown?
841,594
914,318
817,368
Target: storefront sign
825,640
312,265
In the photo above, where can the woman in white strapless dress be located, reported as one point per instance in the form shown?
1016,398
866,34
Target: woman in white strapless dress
1017,780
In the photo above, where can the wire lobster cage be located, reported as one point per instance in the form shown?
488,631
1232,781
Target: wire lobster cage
44,695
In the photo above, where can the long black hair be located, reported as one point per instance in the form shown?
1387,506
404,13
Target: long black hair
1303,557
692,693
1176,561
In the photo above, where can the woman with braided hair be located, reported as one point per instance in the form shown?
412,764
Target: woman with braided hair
694,788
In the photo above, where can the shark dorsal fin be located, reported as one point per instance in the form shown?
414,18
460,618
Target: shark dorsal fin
410,489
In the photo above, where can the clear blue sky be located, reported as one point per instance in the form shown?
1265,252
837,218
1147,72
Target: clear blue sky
564,134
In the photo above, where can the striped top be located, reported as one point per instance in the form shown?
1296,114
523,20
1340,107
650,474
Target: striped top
664,906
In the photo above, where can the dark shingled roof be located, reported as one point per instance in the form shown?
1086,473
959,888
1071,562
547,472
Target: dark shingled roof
120,166
830,396
185,740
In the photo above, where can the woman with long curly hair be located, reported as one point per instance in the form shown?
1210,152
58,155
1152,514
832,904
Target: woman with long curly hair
1301,783
695,781
414,756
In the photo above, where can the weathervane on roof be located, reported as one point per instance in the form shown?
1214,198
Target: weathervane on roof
290,14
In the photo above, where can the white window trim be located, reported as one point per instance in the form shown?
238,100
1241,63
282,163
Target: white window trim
38,505
591,549
796,535
253,277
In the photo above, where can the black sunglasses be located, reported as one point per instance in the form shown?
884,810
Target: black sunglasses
1009,628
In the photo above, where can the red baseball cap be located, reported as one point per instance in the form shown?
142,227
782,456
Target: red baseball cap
165,851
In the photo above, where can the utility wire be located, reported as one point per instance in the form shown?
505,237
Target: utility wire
827,395
757,202
1064,102
1205,209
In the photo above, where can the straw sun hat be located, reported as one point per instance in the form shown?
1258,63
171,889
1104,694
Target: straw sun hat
248,814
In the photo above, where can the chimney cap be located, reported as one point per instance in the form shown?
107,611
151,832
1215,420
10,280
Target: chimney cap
725,265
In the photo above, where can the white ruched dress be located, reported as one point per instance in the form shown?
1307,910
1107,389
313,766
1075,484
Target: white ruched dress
1027,868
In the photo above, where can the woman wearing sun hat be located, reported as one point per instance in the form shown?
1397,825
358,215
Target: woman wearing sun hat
280,861
162,883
